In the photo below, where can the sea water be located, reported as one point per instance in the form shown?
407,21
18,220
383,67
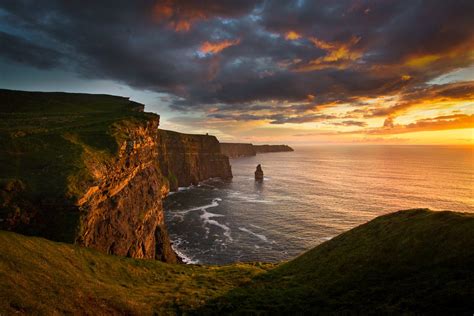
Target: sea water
311,195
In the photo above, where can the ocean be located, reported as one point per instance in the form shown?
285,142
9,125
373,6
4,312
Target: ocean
311,195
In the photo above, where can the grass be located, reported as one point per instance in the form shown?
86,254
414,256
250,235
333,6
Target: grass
44,135
415,262
44,277
46,142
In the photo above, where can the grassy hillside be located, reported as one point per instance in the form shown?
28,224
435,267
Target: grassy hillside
41,276
414,261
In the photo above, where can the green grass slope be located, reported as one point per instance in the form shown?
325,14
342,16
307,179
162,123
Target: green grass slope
415,261
38,276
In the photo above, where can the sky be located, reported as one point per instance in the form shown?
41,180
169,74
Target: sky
299,72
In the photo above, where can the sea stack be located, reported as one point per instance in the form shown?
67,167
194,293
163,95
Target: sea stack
259,173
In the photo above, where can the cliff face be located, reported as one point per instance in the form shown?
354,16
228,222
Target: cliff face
88,169
122,213
260,149
188,159
235,150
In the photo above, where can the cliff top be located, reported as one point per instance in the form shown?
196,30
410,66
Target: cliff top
415,261
43,136
13,101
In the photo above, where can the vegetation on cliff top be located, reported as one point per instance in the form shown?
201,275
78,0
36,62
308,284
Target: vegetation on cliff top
42,136
43,141
415,261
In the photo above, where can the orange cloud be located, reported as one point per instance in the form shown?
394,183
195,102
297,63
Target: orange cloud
446,122
216,47
292,35
422,61
178,18
339,55
430,96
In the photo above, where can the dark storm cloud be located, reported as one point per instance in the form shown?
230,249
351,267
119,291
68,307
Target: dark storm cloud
236,55
26,52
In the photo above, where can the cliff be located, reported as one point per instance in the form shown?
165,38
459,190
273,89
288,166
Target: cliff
410,262
271,148
235,150
187,159
87,169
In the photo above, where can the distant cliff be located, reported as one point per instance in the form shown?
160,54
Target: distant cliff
93,169
187,159
271,148
235,150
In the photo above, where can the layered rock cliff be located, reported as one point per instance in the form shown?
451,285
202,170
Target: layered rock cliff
122,212
235,150
260,149
187,159
87,169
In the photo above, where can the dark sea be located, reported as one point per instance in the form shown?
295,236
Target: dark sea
311,195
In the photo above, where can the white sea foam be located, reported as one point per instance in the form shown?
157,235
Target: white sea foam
259,236
206,218
253,198
180,189
181,254
201,208
327,238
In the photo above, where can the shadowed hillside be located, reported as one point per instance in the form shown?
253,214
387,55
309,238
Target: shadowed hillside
415,261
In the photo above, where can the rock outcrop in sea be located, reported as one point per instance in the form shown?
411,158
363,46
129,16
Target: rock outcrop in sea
93,169
259,173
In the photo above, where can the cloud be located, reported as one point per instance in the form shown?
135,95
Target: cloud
339,55
181,15
215,47
439,123
255,60
426,95
350,123
291,36
23,51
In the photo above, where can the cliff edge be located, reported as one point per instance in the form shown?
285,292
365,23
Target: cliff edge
187,159
260,149
87,169
236,150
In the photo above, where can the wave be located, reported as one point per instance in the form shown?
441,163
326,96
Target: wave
259,236
200,208
187,260
253,198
